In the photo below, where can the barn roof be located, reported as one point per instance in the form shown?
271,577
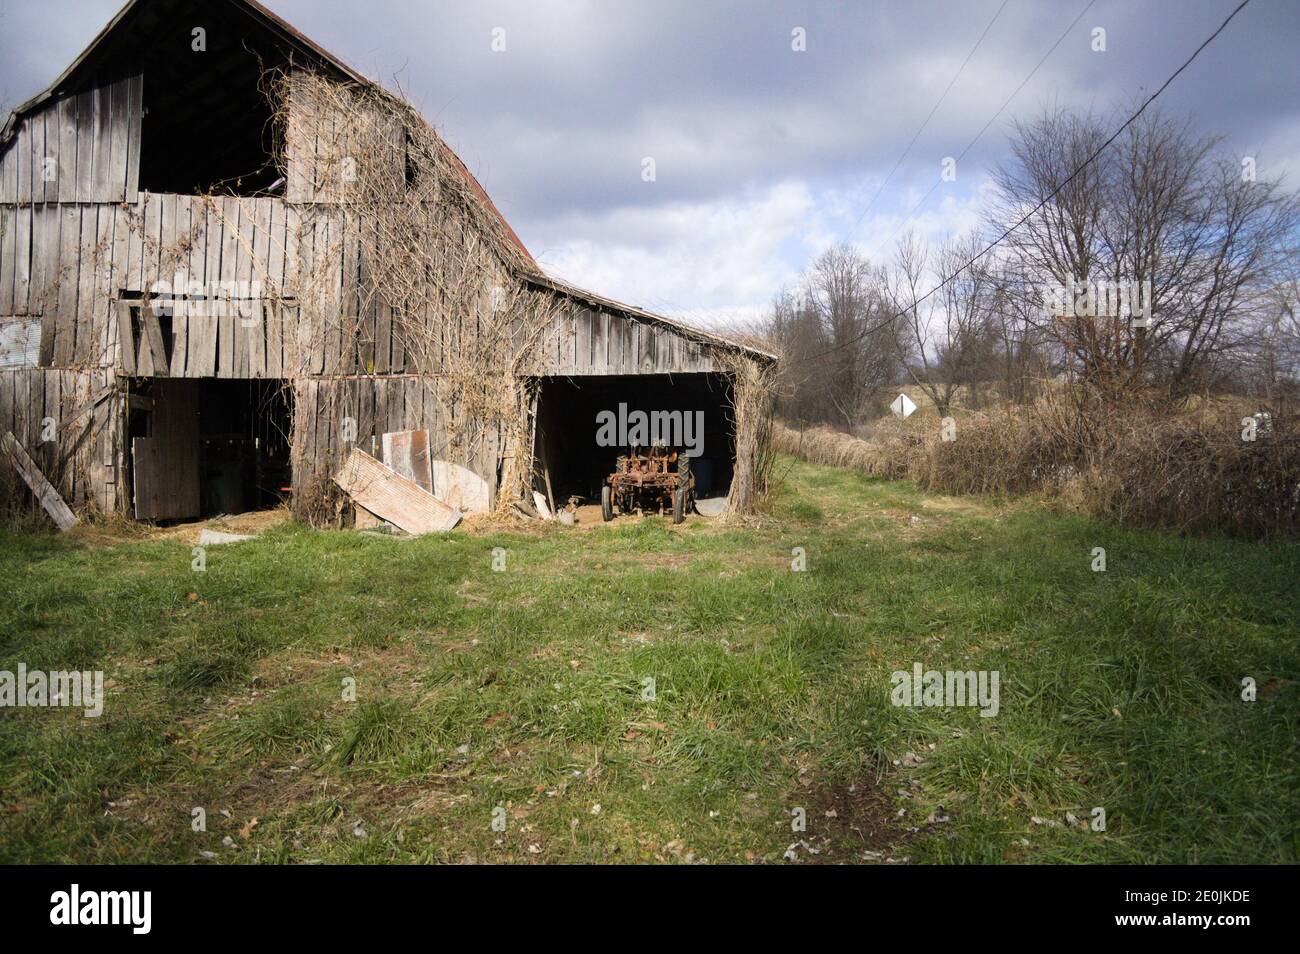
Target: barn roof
101,50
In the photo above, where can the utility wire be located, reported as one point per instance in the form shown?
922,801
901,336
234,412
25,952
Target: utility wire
934,110
1034,211
970,145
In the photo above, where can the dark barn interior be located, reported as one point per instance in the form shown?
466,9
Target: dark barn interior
206,128
204,447
243,445
567,426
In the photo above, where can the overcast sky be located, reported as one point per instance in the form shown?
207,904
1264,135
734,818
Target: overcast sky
763,155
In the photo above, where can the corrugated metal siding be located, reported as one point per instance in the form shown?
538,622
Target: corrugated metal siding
20,342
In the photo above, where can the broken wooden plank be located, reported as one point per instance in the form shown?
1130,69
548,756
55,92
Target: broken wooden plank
126,346
525,509
152,333
395,498
407,452
42,489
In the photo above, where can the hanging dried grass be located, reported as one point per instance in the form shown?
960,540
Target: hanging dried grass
754,384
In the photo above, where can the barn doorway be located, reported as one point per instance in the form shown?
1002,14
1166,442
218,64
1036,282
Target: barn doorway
203,447
572,443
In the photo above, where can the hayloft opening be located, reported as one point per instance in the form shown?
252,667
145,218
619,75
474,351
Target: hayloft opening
574,418
198,137
207,124
199,448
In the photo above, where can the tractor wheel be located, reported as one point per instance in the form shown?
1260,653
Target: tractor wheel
606,503
679,505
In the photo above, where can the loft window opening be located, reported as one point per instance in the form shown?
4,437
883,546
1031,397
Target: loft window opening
208,123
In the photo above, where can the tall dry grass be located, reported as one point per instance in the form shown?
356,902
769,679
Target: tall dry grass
1129,460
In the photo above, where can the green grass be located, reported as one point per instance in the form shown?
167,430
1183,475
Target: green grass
527,690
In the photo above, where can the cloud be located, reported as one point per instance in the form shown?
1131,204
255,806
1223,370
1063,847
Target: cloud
723,260
705,261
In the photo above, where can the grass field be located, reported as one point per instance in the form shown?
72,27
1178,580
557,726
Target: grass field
522,694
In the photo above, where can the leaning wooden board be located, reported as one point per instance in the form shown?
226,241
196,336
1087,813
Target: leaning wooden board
40,487
386,493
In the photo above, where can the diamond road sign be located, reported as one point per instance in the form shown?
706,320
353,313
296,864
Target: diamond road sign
902,406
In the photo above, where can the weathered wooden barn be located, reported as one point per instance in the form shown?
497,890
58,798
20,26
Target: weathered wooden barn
226,257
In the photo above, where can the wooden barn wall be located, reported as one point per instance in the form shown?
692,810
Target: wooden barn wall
81,414
211,243
586,340
80,148
318,140
322,408
67,264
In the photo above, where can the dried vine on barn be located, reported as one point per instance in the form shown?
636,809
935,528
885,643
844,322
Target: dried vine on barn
430,253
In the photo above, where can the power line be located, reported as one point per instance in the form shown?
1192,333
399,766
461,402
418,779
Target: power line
1034,211
934,110
970,145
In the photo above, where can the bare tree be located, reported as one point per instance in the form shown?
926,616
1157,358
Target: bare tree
1022,358
840,349
846,294
950,336
796,332
1269,361
1160,205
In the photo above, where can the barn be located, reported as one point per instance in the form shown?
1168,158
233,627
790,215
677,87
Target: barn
227,258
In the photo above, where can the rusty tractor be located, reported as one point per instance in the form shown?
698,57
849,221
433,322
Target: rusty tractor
656,481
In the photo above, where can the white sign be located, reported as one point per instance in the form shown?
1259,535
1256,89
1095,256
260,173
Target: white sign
902,406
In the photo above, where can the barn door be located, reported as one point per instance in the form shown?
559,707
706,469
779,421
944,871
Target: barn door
166,462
